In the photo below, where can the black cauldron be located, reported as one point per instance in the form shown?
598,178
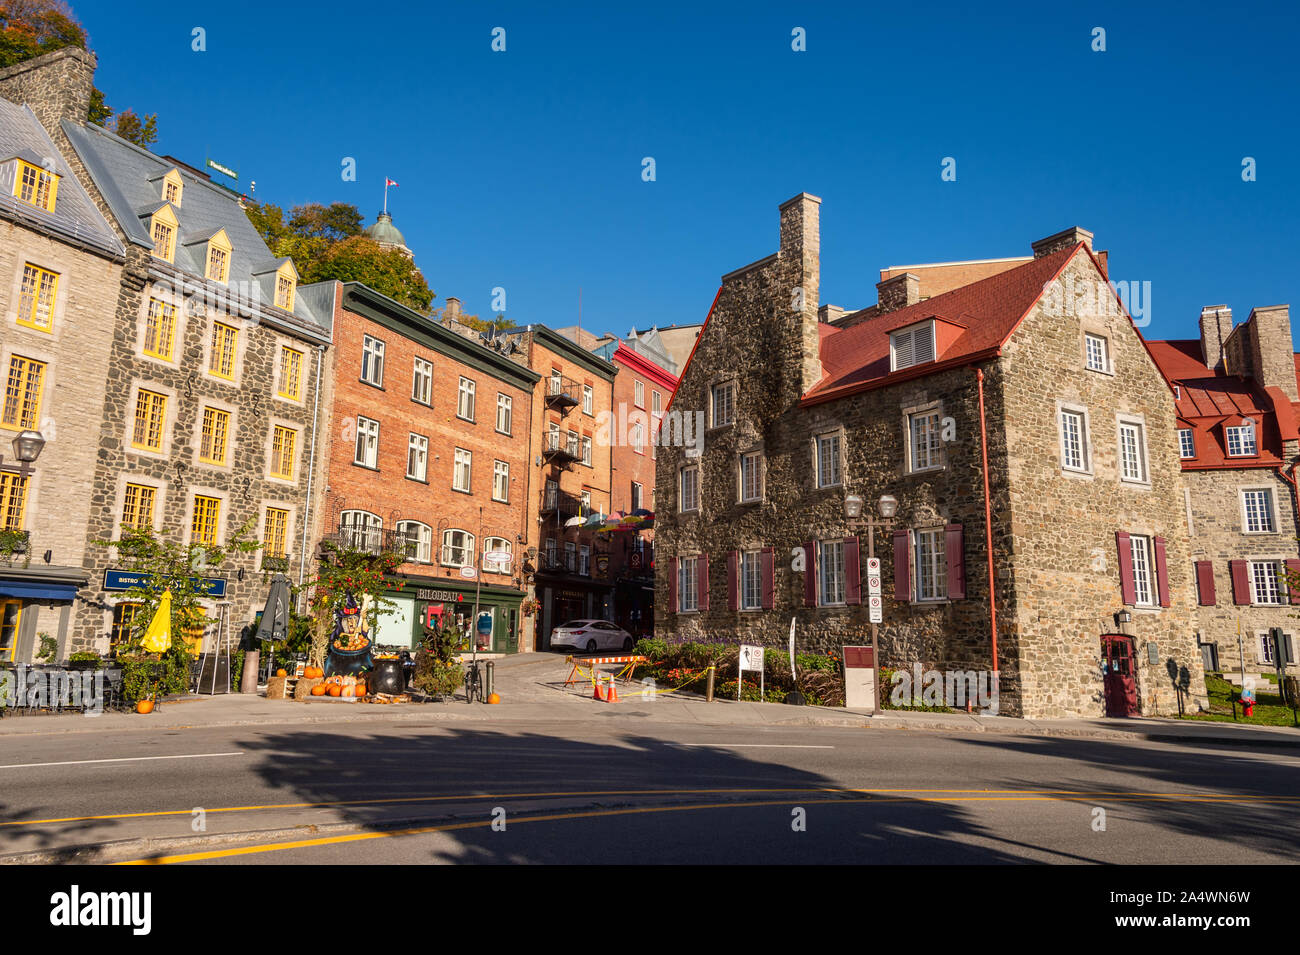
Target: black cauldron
348,662
388,677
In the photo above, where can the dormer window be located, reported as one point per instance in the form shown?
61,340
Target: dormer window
286,283
35,186
172,188
219,257
910,346
163,229
1241,441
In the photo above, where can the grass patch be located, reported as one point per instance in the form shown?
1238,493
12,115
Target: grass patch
1269,710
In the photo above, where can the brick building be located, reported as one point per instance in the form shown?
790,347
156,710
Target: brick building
427,455
1237,400
60,271
1036,370
569,479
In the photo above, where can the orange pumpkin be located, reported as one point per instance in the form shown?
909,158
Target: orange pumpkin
336,690
318,690
144,706
347,691
281,673
493,698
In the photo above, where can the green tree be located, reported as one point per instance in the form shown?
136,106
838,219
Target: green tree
30,28
143,133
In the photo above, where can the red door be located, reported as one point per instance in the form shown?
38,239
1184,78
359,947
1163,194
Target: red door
1120,681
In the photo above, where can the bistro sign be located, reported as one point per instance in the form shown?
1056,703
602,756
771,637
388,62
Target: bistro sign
126,579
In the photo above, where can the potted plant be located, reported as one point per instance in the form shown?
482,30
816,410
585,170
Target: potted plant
84,660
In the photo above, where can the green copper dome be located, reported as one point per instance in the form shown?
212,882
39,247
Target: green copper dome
385,232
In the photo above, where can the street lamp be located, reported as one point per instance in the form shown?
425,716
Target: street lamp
27,448
888,507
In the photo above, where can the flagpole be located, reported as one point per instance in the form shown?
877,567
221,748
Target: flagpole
385,195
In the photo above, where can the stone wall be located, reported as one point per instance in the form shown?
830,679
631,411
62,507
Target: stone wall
57,86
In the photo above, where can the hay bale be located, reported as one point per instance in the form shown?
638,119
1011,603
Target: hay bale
303,690
277,688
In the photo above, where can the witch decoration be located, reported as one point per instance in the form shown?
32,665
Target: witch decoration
350,647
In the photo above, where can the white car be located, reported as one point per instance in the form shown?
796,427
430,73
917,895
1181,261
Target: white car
591,635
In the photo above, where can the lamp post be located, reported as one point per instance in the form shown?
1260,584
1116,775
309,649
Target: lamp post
888,507
27,446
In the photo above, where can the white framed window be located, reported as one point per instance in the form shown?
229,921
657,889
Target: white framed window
417,457
638,394
367,452
1265,585
361,530
751,476
911,346
830,573
570,556
1074,440
1186,443
418,540
1241,441
501,481
1257,511
724,403
588,399
751,580
422,381
465,399
1144,591
584,497
688,592
372,361
1096,352
828,466
1132,452
636,498
497,545
462,472
924,446
931,566
656,403
689,499
586,450
1265,647
573,445
584,559
505,409
457,548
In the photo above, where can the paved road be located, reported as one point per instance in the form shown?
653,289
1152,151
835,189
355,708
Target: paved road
626,790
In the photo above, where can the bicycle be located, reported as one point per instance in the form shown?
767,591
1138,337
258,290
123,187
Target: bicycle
474,683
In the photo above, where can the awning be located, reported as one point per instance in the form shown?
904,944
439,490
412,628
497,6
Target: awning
25,590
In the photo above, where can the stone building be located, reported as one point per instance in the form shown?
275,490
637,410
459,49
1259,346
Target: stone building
1032,379
60,271
209,369
1237,400
426,454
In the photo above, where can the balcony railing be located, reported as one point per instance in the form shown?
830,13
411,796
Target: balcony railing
555,501
562,392
276,563
373,540
559,448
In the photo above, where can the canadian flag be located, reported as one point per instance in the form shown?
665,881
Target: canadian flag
389,182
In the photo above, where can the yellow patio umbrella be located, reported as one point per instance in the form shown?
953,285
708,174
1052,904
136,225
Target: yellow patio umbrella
158,638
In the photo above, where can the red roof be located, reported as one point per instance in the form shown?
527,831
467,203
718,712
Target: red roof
856,358
1209,401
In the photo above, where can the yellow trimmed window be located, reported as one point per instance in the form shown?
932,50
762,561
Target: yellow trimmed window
36,300
207,512
284,292
150,414
173,185
290,373
219,257
222,360
22,407
214,436
137,505
11,613
124,615
160,330
13,500
284,441
163,230
275,532
36,186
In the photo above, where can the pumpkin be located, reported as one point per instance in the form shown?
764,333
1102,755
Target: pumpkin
347,691
493,698
336,690
318,690
281,672
144,706
316,673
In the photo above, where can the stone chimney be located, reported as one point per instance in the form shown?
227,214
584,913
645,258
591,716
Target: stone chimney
898,292
1216,325
1062,240
1273,356
57,86
830,314
451,312
800,256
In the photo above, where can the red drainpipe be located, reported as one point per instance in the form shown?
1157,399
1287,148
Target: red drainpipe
988,521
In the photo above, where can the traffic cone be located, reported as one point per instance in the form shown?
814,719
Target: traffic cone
612,696
596,694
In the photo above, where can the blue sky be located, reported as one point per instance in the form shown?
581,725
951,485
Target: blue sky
522,169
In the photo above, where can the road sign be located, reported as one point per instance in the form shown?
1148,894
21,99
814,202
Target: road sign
874,608
751,658
873,566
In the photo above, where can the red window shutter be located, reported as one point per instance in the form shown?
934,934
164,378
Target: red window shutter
852,572
954,549
733,589
902,566
1162,572
672,586
1128,593
1240,581
810,574
1205,582
703,567
769,578
1293,572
